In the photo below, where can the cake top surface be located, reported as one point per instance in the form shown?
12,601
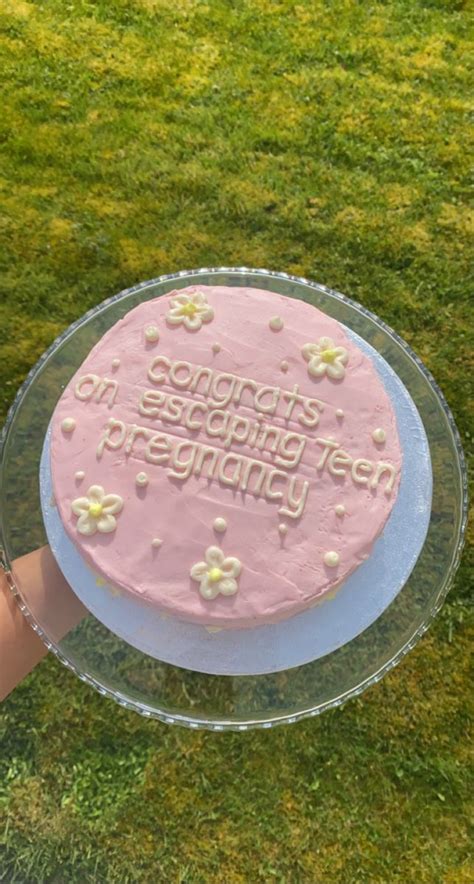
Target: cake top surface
228,455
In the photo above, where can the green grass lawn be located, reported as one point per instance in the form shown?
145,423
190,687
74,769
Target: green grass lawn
327,139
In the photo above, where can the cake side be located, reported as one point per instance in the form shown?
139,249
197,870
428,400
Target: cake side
247,451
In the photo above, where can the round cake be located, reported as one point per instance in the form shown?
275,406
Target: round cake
226,455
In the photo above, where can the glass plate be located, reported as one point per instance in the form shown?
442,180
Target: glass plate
180,696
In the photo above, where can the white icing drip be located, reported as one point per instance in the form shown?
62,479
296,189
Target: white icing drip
68,425
79,475
220,524
115,363
156,542
276,323
284,365
141,479
379,435
97,511
325,357
217,574
152,334
331,559
340,509
282,528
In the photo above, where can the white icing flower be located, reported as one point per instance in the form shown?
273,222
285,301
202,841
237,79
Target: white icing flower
217,574
191,309
325,358
96,511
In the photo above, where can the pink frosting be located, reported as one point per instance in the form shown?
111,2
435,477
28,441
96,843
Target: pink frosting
281,573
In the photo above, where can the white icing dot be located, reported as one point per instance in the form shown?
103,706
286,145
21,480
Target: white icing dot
340,509
331,559
115,363
79,475
276,323
284,365
379,435
68,424
216,348
339,412
141,479
282,528
151,333
156,542
220,524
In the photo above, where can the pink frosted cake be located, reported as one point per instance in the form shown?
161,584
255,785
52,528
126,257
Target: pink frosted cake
226,455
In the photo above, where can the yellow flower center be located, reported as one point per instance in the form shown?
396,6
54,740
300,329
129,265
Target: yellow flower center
95,510
328,355
214,575
188,309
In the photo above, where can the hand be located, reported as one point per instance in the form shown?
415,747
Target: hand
49,597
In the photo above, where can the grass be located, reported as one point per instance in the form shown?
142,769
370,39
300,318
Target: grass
327,139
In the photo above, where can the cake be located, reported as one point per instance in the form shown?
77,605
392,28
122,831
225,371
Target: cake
227,456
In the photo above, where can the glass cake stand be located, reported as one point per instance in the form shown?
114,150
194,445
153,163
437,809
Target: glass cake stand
181,696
